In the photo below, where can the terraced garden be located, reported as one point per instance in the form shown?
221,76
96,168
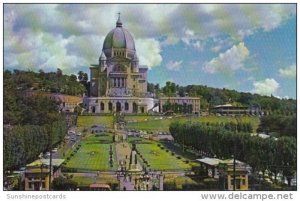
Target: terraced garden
159,158
93,154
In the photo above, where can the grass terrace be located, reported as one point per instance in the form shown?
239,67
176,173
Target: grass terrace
93,154
159,158
163,124
88,121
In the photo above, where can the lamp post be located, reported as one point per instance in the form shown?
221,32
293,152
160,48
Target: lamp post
41,176
234,153
50,162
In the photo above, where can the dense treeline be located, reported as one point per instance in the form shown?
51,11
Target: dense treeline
213,96
22,144
276,155
54,82
31,123
279,125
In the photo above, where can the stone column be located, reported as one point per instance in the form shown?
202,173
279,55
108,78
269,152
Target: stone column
161,182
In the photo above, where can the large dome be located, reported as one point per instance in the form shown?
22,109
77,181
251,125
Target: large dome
118,38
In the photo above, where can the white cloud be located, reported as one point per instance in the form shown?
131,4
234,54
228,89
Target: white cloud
288,72
231,60
190,39
68,26
174,65
148,51
266,87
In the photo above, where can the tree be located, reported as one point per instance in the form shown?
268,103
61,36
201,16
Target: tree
150,87
169,89
64,184
73,78
287,153
59,73
220,139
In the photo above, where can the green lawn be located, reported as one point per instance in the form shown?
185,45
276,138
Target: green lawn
88,121
159,159
140,117
86,180
163,124
93,154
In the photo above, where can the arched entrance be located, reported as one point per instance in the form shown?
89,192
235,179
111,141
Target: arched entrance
118,106
142,110
102,106
134,107
110,106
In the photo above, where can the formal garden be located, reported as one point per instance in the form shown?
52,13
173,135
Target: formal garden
159,158
95,152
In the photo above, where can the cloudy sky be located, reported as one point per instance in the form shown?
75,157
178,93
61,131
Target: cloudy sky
246,47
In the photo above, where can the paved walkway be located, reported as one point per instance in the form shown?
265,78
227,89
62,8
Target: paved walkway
123,151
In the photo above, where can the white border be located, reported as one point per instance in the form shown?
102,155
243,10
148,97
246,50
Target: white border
119,195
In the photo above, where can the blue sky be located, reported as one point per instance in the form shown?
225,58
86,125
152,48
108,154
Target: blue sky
247,47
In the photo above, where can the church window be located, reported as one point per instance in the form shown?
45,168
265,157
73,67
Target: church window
126,106
102,106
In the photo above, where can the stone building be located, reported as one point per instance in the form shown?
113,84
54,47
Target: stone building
119,81
180,104
37,174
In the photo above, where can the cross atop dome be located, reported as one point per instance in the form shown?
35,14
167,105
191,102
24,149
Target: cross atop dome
119,22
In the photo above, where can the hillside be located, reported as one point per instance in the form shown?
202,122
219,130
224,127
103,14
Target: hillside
214,96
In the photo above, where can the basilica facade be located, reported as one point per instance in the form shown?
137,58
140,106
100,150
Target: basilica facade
119,82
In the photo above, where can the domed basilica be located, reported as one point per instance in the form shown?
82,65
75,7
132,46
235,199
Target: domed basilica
118,81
